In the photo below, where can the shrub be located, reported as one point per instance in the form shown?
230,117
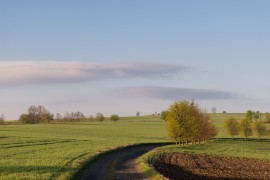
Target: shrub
114,117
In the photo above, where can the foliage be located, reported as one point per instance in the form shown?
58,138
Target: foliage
74,117
138,114
187,123
163,115
260,129
232,127
245,128
36,114
100,117
249,115
114,117
267,117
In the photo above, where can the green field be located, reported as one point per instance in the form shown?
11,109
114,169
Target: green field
47,151
251,148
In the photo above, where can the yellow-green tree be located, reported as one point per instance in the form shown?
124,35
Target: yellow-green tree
260,129
232,127
245,128
186,122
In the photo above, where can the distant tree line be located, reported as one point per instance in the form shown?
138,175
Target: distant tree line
252,124
39,114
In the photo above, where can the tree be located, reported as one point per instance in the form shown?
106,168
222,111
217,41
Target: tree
114,117
245,128
138,114
2,119
214,110
23,118
267,117
260,129
99,117
37,114
224,112
58,116
232,127
257,115
249,115
186,122
164,115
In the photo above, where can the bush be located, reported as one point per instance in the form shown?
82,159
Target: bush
114,117
186,122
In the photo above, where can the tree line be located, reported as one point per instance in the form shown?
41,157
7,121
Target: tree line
39,114
251,125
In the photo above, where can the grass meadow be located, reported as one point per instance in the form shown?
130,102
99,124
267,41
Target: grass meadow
51,151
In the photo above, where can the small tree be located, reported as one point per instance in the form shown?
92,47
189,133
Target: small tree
245,128
260,129
58,116
99,117
267,117
163,115
257,115
23,118
114,117
232,127
2,119
138,114
249,115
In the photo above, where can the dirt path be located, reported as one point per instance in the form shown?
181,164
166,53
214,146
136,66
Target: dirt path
118,165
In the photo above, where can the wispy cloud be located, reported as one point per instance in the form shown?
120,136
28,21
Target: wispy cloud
174,93
32,72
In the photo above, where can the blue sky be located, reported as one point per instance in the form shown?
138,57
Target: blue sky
128,56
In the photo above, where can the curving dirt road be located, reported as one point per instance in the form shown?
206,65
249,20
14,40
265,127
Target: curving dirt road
118,165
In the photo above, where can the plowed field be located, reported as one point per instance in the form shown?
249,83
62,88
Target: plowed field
194,166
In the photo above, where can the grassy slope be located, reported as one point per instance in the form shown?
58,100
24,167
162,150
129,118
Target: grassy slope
44,151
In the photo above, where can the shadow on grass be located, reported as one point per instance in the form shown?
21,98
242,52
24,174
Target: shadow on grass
243,139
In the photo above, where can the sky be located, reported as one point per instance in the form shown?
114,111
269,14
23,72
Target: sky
122,57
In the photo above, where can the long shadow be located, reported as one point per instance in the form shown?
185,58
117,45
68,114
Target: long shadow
243,139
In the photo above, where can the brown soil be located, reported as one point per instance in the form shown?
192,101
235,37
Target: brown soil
193,166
